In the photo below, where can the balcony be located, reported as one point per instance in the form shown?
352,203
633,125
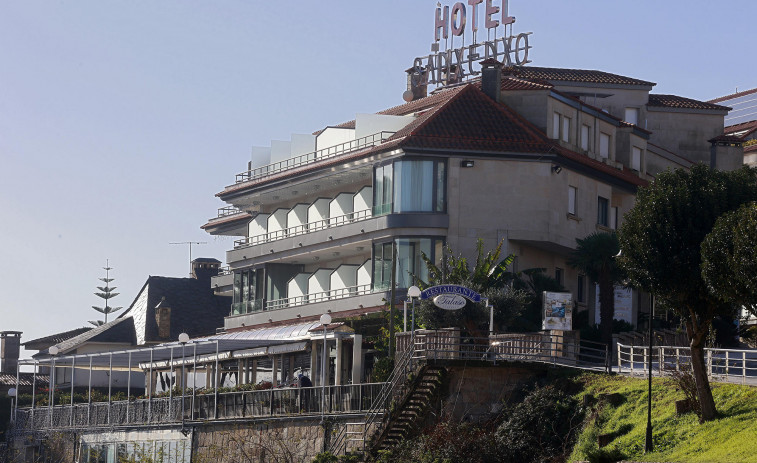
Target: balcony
309,227
331,152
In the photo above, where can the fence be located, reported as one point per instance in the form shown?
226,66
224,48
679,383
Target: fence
242,404
730,365
545,347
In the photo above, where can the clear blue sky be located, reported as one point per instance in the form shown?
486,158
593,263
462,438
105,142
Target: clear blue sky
120,120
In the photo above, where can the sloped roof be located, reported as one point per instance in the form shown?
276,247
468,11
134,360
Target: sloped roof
195,310
573,75
113,331
733,95
229,219
24,380
746,127
679,102
55,338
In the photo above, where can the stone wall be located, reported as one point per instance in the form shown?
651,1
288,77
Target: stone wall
475,392
295,440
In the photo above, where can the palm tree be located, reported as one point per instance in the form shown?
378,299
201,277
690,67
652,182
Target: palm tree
595,257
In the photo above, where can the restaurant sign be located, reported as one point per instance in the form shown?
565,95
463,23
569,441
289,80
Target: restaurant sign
450,297
453,64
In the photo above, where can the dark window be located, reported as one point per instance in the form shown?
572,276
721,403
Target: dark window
602,204
559,275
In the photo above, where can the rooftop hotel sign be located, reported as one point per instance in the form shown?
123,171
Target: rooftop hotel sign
454,64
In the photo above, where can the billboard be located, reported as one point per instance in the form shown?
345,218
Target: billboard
557,313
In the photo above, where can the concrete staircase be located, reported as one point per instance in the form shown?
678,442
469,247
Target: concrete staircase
407,419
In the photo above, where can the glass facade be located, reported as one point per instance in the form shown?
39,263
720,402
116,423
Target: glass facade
410,264
409,185
246,290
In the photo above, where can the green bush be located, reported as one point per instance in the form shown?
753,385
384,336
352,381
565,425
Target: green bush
543,427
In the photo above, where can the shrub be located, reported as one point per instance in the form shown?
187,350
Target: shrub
543,427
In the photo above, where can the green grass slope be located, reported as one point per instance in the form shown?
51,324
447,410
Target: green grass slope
730,438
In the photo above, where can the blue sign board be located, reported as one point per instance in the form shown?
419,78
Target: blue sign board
451,289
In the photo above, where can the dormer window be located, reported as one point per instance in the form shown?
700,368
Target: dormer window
632,115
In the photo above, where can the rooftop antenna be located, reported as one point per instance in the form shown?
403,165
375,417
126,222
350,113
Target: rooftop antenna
190,243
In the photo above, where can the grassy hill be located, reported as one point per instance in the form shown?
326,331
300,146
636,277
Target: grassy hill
731,438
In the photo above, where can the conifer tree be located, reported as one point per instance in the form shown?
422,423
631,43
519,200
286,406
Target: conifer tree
106,292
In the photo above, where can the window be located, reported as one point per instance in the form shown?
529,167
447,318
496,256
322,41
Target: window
632,115
604,145
602,205
245,292
559,275
572,194
580,292
614,218
565,129
556,126
636,158
409,185
585,137
409,261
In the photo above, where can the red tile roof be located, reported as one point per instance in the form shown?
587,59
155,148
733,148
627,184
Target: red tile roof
573,75
747,127
238,217
472,121
675,101
733,95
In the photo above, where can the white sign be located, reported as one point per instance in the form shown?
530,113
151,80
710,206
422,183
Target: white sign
623,304
449,301
454,64
558,311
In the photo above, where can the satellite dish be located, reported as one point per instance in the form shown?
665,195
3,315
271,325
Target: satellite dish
407,96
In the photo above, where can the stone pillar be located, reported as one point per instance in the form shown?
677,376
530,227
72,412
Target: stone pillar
274,371
314,364
253,374
291,366
338,366
326,374
357,359
240,372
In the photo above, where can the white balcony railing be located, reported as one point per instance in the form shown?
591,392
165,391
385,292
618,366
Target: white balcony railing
319,155
339,293
302,229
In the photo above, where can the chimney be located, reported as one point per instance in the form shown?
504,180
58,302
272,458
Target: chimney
491,78
203,268
163,319
10,349
414,86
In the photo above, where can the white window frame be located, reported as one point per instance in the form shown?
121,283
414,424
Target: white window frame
585,137
565,133
572,198
636,114
604,145
636,155
556,125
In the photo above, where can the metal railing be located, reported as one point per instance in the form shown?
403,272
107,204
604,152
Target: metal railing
339,293
529,347
352,398
302,229
729,365
315,156
227,211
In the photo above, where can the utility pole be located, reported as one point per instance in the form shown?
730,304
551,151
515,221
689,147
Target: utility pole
190,243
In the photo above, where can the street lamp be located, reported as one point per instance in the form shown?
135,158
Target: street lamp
325,320
648,445
183,339
12,395
413,293
53,350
